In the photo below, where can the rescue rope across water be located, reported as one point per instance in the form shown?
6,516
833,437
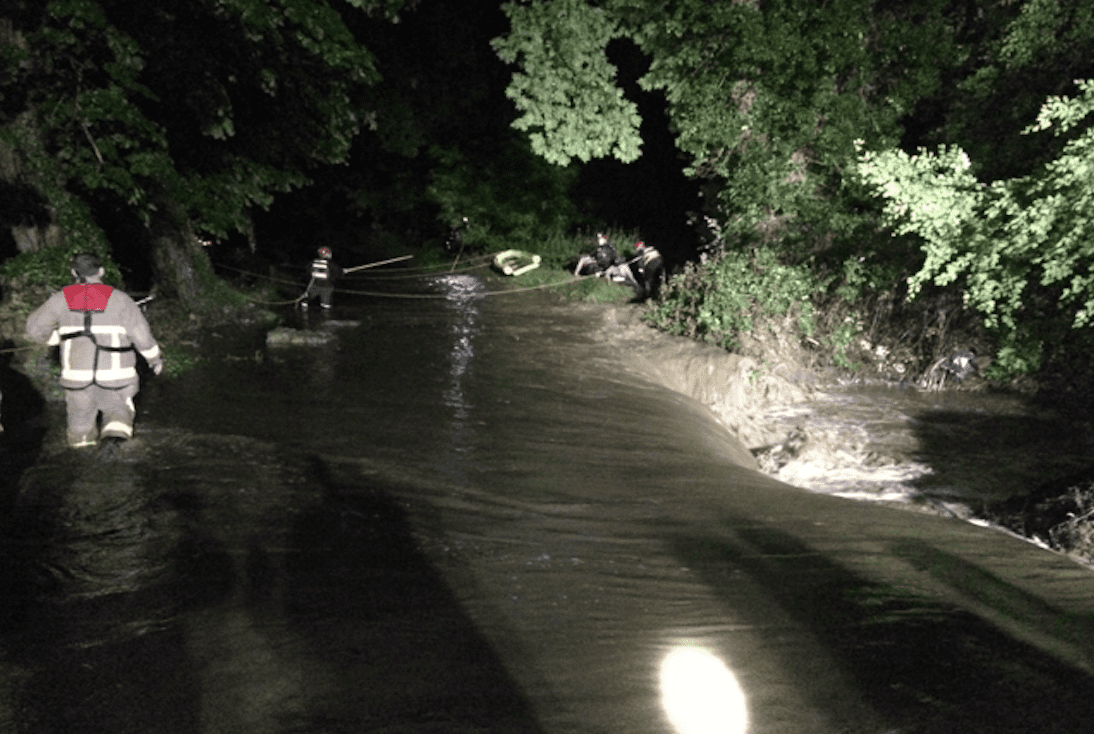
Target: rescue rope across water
403,274
421,296
376,294
508,291
423,272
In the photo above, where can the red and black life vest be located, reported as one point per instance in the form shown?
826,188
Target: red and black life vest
91,298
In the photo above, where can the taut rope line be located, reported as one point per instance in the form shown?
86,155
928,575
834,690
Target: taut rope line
421,296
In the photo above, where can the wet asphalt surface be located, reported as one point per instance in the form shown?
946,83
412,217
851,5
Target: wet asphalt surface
464,514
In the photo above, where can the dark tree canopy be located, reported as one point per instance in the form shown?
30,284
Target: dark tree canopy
765,98
185,114
792,112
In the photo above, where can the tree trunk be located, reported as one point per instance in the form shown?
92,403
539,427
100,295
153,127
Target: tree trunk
182,268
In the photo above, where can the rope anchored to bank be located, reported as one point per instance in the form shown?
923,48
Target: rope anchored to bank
425,272
19,349
508,291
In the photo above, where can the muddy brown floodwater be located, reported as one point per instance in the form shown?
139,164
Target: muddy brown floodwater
467,512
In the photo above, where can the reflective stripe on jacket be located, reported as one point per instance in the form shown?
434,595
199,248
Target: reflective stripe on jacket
119,325
648,255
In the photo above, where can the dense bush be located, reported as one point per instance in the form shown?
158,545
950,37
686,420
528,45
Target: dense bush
509,201
1021,250
732,293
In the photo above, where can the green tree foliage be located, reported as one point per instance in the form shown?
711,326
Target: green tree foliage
1013,56
190,112
509,201
765,98
566,91
444,149
1022,248
732,293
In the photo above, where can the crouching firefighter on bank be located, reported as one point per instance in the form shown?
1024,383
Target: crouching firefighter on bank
100,331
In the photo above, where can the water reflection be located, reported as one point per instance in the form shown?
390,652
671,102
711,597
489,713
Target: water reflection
327,580
463,294
700,694
102,545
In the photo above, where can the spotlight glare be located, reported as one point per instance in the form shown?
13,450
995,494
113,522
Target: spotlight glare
701,695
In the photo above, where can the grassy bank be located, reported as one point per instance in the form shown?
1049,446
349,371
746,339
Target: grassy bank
565,284
559,253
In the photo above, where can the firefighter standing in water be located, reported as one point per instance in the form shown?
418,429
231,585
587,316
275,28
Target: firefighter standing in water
323,274
100,330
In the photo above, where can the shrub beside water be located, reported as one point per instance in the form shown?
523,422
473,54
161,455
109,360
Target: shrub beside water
732,294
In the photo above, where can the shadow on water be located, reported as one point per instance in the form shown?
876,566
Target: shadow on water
371,605
92,618
208,584
22,415
911,659
995,456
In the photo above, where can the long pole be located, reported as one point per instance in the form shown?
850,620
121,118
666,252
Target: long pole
457,257
373,265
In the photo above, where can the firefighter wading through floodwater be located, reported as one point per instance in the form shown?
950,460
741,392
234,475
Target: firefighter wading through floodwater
324,274
100,330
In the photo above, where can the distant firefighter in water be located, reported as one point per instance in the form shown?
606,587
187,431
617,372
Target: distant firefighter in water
100,330
324,272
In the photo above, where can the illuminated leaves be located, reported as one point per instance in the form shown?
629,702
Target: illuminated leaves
565,89
1003,237
764,98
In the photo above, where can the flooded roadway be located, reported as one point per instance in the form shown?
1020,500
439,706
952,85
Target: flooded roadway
467,514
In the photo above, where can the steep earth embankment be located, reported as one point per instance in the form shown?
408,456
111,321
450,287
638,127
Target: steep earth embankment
747,397
737,389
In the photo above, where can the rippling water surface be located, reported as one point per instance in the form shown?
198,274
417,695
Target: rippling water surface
950,451
467,514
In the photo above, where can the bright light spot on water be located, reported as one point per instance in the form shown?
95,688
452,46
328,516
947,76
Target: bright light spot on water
701,695
461,290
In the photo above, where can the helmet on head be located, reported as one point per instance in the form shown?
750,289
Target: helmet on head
639,245
600,238
324,252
